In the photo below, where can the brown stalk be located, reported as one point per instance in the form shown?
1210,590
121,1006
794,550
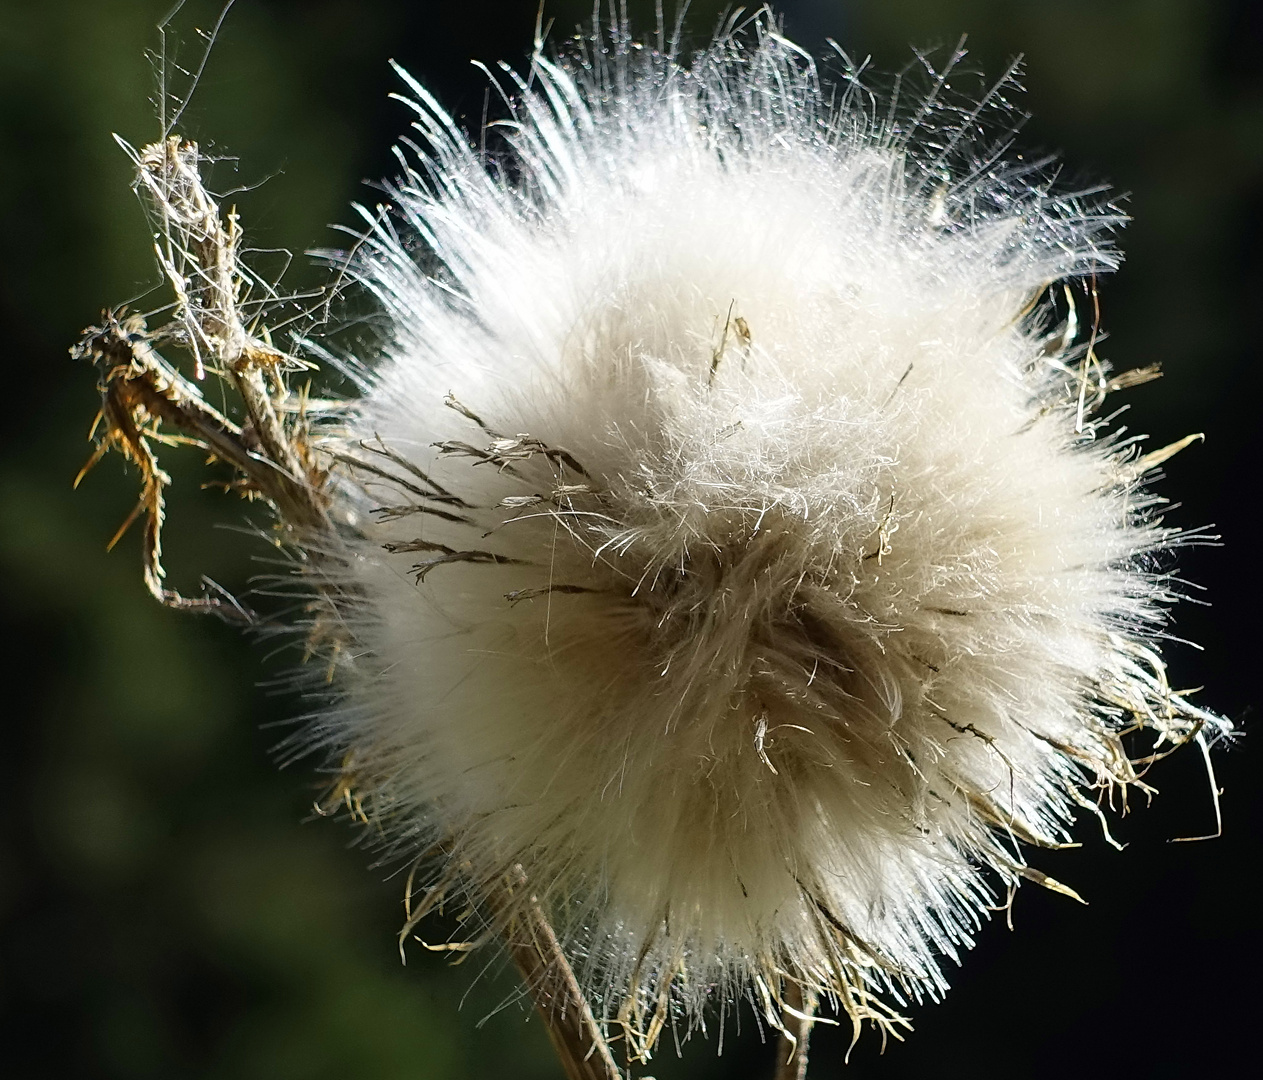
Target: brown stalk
798,1016
531,941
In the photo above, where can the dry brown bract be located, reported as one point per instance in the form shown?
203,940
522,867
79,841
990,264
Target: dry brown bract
272,452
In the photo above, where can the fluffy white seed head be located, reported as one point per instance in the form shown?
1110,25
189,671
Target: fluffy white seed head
744,561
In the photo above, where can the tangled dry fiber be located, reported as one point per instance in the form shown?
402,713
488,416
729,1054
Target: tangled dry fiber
740,558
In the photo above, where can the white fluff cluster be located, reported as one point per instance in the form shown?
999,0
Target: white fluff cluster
742,561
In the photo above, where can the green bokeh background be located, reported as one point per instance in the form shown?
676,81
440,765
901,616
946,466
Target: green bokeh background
171,906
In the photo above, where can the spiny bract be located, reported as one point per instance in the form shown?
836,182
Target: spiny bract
742,560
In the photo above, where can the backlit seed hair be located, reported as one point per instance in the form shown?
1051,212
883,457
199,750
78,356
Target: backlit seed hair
756,575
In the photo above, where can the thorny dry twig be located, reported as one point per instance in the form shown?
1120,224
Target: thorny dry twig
277,457
141,391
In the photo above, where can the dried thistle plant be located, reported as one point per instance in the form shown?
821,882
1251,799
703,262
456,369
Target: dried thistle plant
726,576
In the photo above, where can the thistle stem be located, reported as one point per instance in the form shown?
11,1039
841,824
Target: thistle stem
551,982
792,1046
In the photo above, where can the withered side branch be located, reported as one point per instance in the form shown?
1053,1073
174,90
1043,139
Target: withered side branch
141,392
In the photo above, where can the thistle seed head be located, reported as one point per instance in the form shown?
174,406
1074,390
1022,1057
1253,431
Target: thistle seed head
744,562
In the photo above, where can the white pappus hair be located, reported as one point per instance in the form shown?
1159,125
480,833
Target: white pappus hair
742,557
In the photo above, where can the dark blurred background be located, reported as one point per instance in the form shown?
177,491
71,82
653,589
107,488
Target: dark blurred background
171,908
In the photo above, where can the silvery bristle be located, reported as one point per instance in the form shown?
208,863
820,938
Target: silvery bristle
756,573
